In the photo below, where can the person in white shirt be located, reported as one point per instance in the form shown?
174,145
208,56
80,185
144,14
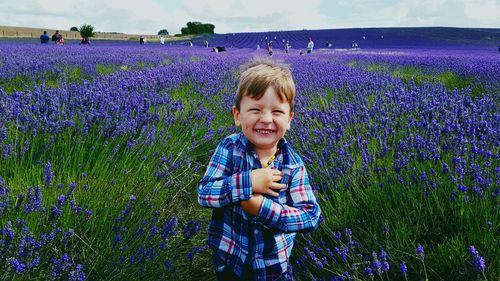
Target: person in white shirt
310,46
162,40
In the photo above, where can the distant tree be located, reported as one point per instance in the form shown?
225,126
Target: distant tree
197,27
163,32
74,28
87,31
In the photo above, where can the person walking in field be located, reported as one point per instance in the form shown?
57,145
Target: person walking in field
60,41
85,41
256,183
56,37
44,38
287,46
162,40
310,46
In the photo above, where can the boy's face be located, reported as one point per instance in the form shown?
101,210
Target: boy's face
265,121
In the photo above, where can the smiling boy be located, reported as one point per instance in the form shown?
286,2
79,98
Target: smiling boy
256,184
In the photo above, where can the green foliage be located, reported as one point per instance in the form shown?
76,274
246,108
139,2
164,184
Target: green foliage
103,69
196,27
163,32
87,31
73,28
418,76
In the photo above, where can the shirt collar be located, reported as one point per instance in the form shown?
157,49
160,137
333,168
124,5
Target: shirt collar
244,144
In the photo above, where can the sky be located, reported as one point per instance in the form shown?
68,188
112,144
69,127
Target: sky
231,16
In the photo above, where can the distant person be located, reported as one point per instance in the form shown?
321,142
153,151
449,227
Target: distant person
162,40
287,46
258,46
85,41
60,41
270,49
190,43
219,49
141,40
56,37
205,43
354,45
301,52
328,44
310,46
44,38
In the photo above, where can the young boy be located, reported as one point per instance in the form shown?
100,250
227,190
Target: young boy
256,184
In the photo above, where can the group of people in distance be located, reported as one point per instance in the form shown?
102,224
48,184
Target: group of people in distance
58,39
288,46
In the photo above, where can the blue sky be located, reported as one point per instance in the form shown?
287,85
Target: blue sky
149,16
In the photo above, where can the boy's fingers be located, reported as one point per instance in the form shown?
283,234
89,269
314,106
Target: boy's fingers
276,172
277,178
276,185
272,193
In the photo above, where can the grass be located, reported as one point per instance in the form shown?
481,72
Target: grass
418,76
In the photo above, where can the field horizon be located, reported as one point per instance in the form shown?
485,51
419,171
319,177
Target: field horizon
488,36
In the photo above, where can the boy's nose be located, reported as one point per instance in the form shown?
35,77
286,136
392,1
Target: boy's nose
266,117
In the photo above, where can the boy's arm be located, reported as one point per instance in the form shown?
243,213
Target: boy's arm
219,187
301,215
252,205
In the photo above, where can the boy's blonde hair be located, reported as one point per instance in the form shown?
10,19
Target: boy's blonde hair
260,74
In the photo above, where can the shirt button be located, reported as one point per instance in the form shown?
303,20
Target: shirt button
256,231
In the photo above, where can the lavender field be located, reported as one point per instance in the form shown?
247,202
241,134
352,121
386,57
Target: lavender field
102,147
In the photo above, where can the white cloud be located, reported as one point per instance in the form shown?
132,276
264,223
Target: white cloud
257,15
484,12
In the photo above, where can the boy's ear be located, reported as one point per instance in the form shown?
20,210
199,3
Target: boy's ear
236,116
290,117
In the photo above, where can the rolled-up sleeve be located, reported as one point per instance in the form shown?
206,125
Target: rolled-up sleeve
300,214
219,186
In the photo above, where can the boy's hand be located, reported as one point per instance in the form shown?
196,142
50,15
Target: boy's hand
265,180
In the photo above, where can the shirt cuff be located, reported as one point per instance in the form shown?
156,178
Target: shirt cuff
269,213
241,184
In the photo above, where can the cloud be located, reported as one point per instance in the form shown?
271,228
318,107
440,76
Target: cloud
257,15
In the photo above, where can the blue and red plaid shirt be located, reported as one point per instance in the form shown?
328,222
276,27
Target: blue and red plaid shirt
263,242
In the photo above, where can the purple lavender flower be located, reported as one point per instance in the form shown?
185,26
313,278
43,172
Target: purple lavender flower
420,251
17,266
4,197
369,272
48,174
403,269
477,260
191,229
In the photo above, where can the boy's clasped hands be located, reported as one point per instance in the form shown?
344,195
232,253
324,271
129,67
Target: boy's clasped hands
264,181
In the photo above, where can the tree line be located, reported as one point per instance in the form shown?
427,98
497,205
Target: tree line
191,28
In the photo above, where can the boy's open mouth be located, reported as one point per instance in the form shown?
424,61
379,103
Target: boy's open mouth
264,131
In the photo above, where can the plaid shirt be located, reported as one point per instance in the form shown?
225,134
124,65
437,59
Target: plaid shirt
263,242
